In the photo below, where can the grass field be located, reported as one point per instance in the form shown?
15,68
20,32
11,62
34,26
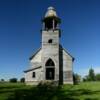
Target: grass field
19,91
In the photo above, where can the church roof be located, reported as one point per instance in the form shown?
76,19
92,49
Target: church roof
51,12
32,69
34,54
60,48
67,52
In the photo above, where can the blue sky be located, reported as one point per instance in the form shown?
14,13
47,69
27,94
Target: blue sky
20,36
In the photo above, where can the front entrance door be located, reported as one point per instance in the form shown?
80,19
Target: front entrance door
49,73
50,69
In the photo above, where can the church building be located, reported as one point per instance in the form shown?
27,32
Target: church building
51,62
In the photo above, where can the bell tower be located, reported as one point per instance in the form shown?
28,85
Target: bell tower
50,45
51,21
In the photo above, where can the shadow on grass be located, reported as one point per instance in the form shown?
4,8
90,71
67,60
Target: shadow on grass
9,89
51,93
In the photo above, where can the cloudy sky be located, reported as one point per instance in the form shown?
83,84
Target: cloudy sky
20,36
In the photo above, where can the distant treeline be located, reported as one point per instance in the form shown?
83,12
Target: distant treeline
90,77
14,80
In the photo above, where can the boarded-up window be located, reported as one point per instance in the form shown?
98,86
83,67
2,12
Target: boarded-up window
67,75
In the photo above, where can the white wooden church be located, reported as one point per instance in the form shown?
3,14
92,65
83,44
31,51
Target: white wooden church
51,62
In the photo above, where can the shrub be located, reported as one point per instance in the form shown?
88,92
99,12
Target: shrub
97,77
13,80
22,80
76,78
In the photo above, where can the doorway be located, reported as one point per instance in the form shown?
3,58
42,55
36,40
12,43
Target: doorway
50,70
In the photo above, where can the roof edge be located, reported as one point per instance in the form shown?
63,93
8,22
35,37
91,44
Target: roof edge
34,54
32,69
67,52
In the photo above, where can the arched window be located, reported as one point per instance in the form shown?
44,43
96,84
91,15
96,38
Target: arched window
50,41
50,63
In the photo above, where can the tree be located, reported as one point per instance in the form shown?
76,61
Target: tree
91,75
13,80
22,80
2,80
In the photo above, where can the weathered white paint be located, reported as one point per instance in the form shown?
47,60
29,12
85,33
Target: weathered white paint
37,78
62,59
37,57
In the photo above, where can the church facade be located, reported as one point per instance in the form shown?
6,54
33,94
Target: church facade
51,62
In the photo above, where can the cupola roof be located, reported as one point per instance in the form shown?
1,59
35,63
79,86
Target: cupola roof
51,12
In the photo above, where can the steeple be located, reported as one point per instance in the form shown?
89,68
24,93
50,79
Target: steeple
51,20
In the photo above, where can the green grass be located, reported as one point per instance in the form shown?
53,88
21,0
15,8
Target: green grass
19,91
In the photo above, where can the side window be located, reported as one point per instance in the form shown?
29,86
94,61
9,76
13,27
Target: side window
33,75
50,41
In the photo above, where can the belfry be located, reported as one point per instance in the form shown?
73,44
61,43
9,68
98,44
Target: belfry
51,62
